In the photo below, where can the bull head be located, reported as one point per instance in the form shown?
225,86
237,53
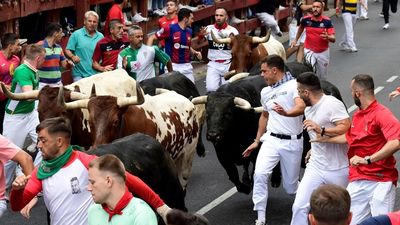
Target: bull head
29,95
220,40
239,102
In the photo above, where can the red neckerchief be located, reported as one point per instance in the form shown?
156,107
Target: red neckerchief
221,27
123,202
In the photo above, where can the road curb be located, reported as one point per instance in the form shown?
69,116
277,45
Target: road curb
200,68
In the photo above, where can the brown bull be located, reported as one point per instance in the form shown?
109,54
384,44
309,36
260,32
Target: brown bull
247,51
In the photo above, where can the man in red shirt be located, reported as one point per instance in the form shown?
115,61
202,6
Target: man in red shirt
115,13
106,52
8,62
373,138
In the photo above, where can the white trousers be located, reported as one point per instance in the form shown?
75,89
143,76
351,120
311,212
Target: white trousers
17,128
370,198
319,61
269,21
215,74
349,21
184,68
273,150
361,11
312,179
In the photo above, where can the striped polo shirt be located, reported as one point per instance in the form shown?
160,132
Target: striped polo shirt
349,6
50,71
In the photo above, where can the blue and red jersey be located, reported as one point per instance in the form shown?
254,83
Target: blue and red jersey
314,28
177,42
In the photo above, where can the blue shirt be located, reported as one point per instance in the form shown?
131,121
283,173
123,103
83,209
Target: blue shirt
82,44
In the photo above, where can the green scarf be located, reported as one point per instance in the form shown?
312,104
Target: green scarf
48,168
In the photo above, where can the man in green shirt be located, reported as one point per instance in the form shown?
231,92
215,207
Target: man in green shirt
115,204
138,59
21,117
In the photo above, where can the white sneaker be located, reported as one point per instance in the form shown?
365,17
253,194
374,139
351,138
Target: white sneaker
381,14
260,223
31,148
159,12
344,46
353,50
137,18
235,20
386,26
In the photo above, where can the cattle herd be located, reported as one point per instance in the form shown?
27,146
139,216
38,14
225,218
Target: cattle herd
155,127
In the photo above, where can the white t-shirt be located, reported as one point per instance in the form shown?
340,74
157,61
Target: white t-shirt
284,95
219,51
326,112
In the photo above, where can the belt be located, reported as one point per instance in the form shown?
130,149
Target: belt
287,137
221,60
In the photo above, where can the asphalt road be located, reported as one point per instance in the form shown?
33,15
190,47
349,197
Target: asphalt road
210,192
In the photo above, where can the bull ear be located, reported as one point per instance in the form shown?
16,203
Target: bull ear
93,92
200,100
139,94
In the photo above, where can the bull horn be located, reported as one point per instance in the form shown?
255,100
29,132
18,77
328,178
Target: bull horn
161,91
134,100
78,96
20,96
229,74
220,40
242,103
258,109
238,77
93,91
200,100
70,105
257,40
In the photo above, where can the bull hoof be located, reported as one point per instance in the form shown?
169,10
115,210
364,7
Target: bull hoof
242,188
276,180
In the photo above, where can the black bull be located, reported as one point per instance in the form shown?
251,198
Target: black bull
144,157
232,129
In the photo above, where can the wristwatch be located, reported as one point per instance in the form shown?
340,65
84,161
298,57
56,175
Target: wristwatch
322,131
368,159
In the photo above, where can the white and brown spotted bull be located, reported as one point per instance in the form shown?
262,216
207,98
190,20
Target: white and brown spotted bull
169,117
247,51
115,83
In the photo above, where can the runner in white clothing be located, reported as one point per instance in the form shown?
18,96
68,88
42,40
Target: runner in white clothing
218,54
328,163
280,130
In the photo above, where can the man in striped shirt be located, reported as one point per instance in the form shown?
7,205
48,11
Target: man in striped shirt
50,73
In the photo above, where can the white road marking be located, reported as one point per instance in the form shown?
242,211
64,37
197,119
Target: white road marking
391,79
217,201
378,89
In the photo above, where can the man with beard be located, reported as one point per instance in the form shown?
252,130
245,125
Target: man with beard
219,55
319,32
373,139
81,46
328,163
280,130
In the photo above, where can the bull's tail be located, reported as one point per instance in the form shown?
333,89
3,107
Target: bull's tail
310,61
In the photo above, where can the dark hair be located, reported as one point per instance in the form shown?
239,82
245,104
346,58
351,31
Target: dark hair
8,39
274,61
109,163
226,11
184,13
113,24
52,28
364,81
118,1
310,81
56,125
330,204
320,1
34,50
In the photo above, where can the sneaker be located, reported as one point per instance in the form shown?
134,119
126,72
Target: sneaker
137,18
159,12
31,148
235,20
344,46
386,26
364,18
381,14
260,223
353,50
